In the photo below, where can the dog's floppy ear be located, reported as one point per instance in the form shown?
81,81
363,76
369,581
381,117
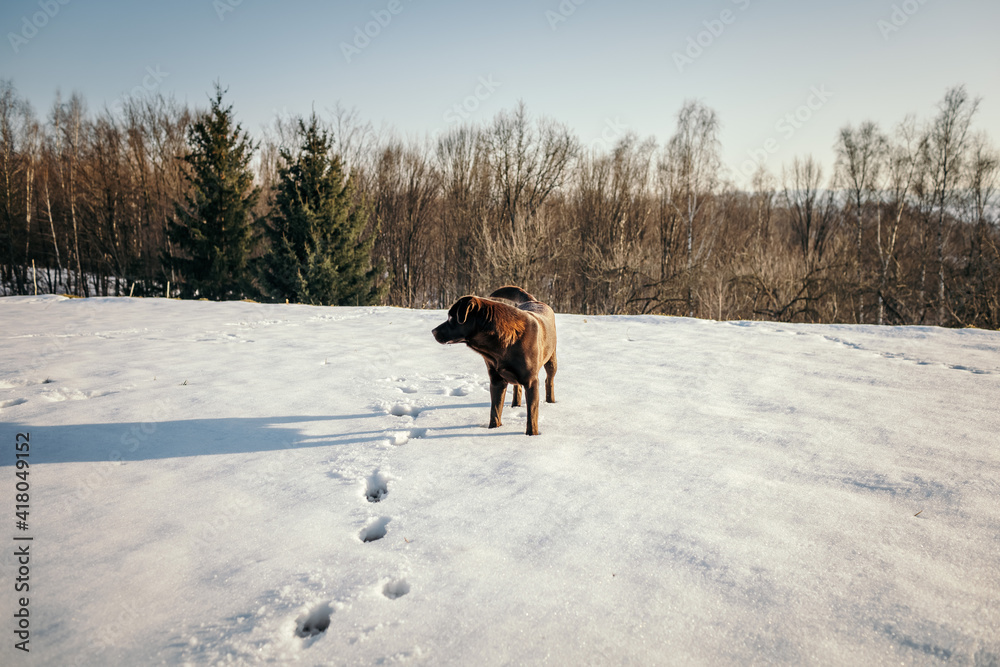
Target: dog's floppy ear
471,305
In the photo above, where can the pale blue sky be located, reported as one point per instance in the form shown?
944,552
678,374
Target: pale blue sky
607,66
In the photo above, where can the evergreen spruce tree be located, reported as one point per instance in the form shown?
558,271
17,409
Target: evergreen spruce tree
212,233
319,254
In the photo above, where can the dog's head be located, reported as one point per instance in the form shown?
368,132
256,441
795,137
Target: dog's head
462,322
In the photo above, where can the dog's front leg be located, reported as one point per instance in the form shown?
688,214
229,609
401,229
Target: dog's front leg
531,398
498,387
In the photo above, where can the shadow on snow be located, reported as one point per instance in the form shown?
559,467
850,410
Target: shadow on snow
144,441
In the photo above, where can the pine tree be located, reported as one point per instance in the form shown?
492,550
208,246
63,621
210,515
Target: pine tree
212,233
319,253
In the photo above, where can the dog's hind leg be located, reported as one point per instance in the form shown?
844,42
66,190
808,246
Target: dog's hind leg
516,402
550,374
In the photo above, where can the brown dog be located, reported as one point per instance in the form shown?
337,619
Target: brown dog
516,334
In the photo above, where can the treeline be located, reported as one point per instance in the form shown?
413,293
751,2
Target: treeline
905,231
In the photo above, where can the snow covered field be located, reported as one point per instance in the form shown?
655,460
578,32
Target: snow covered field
215,483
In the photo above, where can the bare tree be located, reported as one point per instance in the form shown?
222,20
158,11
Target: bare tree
280,134
527,161
356,142
981,303
947,141
12,180
613,209
901,165
860,156
406,192
46,193
68,120
811,211
690,167
764,191
812,215
465,199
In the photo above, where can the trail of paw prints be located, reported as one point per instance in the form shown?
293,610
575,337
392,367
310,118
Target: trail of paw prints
376,486
282,621
904,357
439,385
404,412
314,620
264,633
56,395
282,629
19,383
66,394
407,412
376,490
220,337
14,383
409,407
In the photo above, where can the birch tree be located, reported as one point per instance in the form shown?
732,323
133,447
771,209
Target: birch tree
691,166
947,141
860,157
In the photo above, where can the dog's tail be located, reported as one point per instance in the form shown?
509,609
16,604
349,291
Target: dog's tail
513,294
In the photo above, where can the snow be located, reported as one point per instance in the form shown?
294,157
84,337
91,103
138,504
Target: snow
217,483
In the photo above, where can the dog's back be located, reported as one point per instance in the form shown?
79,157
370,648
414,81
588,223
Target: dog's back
517,297
514,295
